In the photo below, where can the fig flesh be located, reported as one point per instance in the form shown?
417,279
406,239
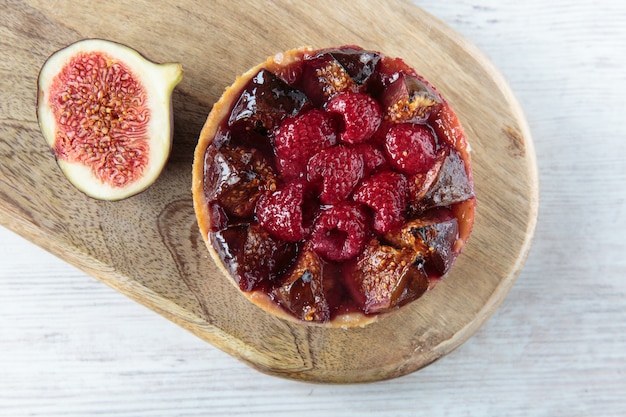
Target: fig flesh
106,113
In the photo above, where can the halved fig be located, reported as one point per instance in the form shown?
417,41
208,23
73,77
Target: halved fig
105,111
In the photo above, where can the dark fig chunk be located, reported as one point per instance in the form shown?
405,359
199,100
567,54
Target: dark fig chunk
323,77
380,275
360,64
219,218
264,102
228,244
409,100
418,283
303,291
236,177
389,70
253,257
432,237
447,126
451,184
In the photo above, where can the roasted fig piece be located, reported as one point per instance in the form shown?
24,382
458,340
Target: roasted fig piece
323,77
432,237
264,102
380,275
252,255
360,64
409,100
450,185
303,292
237,178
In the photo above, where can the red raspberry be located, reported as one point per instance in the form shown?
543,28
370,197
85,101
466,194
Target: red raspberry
411,148
373,158
281,212
361,115
386,193
340,232
339,169
299,138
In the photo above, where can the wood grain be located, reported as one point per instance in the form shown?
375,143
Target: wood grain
148,247
71,346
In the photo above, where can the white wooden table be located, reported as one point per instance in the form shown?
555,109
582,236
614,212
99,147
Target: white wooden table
70,346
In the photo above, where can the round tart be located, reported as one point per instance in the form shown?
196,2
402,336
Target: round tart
333,186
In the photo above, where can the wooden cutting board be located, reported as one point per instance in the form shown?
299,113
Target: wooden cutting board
148,246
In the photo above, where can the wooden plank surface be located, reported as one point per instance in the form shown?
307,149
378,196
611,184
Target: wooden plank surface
149,248
555,347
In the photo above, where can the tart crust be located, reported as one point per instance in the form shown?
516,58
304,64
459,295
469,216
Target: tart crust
221,110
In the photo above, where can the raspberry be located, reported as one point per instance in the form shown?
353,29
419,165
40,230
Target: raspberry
411,148
340,232
281,212
360,113
299,138
339,169
373,158
386,193
379,137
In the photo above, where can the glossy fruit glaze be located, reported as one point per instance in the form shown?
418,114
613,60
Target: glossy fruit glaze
337,183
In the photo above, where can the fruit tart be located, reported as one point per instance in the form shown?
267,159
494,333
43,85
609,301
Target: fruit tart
333,186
